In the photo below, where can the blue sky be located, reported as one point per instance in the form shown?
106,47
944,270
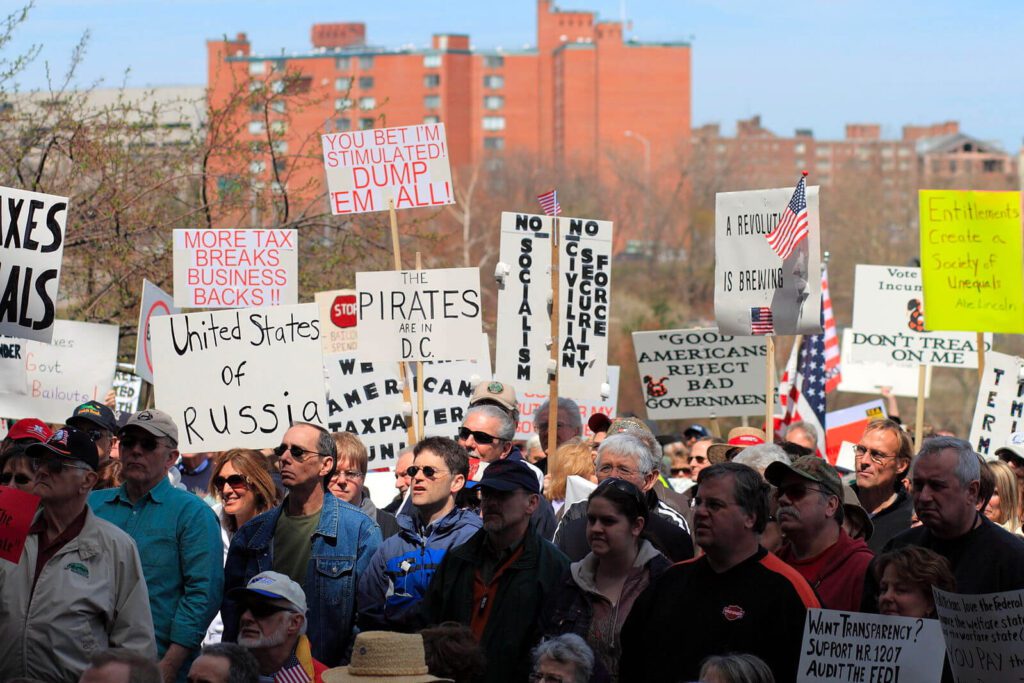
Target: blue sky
810,64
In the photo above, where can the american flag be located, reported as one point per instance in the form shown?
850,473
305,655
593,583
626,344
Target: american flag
833,373
803,386
549,203
761,321
794,223
292,672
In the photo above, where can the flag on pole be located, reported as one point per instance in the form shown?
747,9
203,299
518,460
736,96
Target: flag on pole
794,224
549,203
761,320
833,373
802,389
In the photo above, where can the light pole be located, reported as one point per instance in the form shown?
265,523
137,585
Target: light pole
647,152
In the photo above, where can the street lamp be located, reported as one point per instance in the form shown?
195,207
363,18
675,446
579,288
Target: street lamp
647,152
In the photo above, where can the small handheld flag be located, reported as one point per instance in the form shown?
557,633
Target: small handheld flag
793,225
549,203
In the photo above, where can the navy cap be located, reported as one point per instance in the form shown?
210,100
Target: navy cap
70,444
96,413
695,431
509,475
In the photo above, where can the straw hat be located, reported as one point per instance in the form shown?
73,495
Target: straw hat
739,438
384,656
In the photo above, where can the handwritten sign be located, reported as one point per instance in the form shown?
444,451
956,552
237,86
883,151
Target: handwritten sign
127,391
984,634
529,402
368,169
999,409
971,256
13,374
235,268
238,379
412,315
155,302
338,316
366,399
32,228
447,387
700,373
16,511
844,646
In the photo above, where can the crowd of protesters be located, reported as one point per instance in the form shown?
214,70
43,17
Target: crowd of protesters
692,558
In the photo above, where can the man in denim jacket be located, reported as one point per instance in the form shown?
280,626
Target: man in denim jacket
319,541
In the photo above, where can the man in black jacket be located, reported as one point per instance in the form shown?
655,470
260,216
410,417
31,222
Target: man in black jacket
883,457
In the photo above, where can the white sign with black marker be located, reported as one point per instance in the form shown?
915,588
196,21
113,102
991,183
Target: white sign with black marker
999,409
155,302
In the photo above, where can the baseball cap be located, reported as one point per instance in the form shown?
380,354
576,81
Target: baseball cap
599,422
271,586
695,431
96,413
809,467
29,428
739,438
497,393
509,475
68,443
1013,450
156,422
854,510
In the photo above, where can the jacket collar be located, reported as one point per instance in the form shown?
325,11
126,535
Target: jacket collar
584,572
86,543
158,494
473,549
327,527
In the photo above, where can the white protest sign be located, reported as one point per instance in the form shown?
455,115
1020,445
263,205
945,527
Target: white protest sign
410,315
155,302
380,486
889,323
368,169
76,366
337,320
844,646
524,322
13,373
235,268
237,379
861,377
529,402
447,388
999,409
700,373
127,389
32,228
984,634
750,277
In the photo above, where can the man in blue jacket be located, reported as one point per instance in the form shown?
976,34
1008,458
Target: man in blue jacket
403,566
317,540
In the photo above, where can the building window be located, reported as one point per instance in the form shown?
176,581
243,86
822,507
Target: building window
279,146
343,84
496,144
278,65
431,119
280,165
365,124
366,82
342,103
800,148
367,103
278,106
255,86
257,68
256,108
279,127
256,127
952,165
277,87
257,167
228,184
342,63
431,81
342,125
366,62
432,101
431,61
494,82
494,123
493,102
494,61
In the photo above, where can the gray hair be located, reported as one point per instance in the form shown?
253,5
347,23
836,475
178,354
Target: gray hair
567,648
631,446
737,668
761,455
968,467
565,405
242,665
804,427
506,427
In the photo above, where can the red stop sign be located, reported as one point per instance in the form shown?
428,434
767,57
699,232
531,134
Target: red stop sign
343,310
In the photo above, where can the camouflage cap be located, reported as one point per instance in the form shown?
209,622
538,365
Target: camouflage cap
809,467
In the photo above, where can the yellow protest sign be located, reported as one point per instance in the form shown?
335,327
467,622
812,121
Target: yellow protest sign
971,260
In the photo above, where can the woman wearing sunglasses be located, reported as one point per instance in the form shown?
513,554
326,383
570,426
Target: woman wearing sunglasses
596,595
16,471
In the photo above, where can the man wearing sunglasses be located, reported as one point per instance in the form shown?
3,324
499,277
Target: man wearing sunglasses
177,534
78,585
98,421
882,460
401,569
810,513
317,540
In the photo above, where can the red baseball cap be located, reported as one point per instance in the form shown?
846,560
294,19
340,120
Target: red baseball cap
29,428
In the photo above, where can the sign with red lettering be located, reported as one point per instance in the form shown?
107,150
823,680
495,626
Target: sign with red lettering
155,301
338,317
369,169
235,268
16,511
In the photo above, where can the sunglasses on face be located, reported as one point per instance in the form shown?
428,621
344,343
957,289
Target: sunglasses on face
55,467
297,452
679,471
129,441
795,492
19,479
700,459
96,434
428,471
236,481
482,438
262,610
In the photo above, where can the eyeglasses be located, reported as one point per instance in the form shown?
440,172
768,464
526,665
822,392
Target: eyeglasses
482,438
54,466
235,481
797,491
607,469
262,610
428,471
877,457
129,441
699,458
349,474
297,452
19,479
680,471
546,678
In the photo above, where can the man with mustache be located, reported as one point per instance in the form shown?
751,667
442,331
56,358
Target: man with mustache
810,498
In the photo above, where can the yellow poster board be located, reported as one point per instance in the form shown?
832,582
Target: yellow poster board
971,260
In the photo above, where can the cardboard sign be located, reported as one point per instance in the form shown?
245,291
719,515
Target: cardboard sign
700,373
338,315
524,322
17,509
368,169
844,646
238,379
76,366
366,400
999,409
847,424
751,279
984,639
32,226
412,315
971,255
447,388
127,390
235,268
13,374
529,402
868,378
155,302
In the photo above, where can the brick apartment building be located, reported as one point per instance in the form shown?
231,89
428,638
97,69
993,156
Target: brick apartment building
570,99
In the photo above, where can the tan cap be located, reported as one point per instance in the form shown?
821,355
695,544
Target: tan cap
156,422
498,393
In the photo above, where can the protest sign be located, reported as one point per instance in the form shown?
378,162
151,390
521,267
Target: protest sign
410,315
16,511
971,257
32,226
76,366
984,634
844,646
529,402
366,399
999,409
368,169
155,302
861,377
237,379
847,424
447,387
337,320
13,374
754,288
524,322
700,373
127,390
235,268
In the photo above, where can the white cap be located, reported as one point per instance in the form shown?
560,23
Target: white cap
274,586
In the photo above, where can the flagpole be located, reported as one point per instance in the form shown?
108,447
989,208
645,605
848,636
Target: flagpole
552,444
922,371
396,247
419,376
981,356
769,391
